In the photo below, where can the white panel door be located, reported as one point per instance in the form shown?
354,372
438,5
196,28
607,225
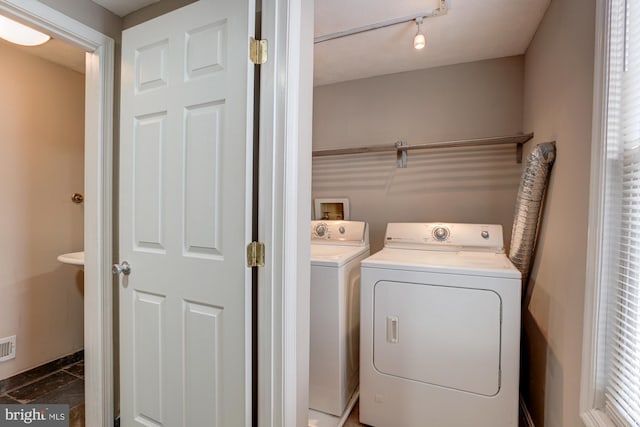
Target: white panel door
185,219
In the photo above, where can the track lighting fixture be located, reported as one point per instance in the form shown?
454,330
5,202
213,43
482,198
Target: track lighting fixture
419,40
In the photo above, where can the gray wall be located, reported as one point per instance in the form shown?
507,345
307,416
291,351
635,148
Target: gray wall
558,100
100,19
90,14
473,100
152,11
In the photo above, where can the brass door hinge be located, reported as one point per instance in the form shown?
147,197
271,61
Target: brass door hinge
258,51
255,254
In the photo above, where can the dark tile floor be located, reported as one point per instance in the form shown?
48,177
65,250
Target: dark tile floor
58,382
62,382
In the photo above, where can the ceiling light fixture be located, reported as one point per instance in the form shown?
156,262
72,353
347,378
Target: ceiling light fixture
419,41
17,33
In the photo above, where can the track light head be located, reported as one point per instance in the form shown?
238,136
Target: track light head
419,41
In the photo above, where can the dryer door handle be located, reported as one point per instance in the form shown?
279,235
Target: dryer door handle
392,329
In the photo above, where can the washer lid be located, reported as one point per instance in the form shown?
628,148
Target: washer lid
464,262
334,255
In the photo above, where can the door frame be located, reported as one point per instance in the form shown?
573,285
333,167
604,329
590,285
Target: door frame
98,204
284,212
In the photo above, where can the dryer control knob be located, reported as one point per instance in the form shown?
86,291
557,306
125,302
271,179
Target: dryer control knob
341,229
485,234
440,233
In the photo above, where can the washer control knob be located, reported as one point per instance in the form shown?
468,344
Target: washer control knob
321,229
341,229
485,234
440,233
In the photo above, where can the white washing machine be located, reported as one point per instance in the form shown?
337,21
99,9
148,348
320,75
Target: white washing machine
440,329
337,247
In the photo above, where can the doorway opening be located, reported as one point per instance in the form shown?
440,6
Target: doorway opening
42,163
97,193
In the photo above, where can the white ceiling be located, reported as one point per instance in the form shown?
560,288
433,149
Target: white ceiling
472,30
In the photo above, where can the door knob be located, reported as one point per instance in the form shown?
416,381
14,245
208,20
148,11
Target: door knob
123,268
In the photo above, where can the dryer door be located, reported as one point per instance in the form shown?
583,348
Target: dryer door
439,335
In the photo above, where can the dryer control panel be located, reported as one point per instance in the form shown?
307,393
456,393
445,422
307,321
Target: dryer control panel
340,232
438,236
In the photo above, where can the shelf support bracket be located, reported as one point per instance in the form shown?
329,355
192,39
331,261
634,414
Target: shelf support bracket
401,154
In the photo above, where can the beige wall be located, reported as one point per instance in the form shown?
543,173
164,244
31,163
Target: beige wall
558,106
41,165
472,100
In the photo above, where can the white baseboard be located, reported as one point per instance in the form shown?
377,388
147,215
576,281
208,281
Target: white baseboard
525,416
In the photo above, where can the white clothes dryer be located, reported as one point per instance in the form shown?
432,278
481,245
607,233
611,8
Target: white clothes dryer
337,247
440,329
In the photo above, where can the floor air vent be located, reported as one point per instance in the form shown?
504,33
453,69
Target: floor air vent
7,348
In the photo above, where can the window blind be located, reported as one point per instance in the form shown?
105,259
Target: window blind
622,395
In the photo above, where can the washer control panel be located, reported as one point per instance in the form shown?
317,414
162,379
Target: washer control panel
339,232
445,236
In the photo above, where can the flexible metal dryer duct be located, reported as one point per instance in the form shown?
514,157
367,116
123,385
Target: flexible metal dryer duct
528,203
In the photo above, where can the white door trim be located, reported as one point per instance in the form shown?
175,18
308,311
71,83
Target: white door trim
593,360
284,212
98,215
